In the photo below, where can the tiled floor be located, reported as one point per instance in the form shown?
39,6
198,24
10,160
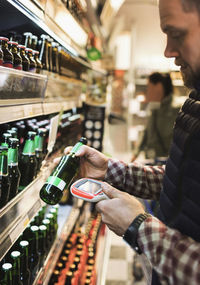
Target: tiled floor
120,265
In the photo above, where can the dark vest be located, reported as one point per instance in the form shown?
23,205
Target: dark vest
180,197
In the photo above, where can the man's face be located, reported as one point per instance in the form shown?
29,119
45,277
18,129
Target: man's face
183,38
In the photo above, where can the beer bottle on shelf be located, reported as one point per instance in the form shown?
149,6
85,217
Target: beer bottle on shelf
53,228
53,211
55,67
7,54
5,137
15,256
39,143
51,192
46,222
43,46
54,277
42,244
17,60
68,279
34,42
50,40
29,53
25,272
6,274
25,60
4,178
28,162
38,62
13,133
13,169
34,260
27,39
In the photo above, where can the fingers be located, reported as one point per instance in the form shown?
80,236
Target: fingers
57,160
67,149
110,191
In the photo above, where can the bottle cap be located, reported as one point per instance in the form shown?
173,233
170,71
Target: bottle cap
31,135
6,266
15,254
21,46
24,243
13,43
34,228
4,39
13,142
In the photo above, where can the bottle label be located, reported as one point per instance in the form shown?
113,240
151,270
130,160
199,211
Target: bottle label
56,181
18,67
7,64
1,61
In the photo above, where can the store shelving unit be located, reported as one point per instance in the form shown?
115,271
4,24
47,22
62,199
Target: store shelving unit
24,95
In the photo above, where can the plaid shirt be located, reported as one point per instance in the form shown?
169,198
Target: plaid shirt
173,255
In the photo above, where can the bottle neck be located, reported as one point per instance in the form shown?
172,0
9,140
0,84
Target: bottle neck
4,163
29,147
76,147
24,258
12,156
39,143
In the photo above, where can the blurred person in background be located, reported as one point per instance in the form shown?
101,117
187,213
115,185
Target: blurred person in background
157,136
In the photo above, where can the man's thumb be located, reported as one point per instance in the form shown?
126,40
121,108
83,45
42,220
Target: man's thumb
110,191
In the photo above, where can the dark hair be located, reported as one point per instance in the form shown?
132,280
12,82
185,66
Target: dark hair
191,5
164,79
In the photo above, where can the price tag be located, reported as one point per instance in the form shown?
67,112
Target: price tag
53,132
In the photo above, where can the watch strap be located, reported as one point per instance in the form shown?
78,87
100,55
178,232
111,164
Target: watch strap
131,233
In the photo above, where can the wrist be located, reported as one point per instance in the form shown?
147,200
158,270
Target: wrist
131,234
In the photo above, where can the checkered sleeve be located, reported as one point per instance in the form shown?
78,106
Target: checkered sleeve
135,178
175,257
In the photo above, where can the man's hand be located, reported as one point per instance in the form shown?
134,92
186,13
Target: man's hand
120,210
93,164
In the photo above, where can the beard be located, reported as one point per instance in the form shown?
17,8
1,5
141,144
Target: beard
191,78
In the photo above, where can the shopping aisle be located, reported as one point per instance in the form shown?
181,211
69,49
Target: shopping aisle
120,264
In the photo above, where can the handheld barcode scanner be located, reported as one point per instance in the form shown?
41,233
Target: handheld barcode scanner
88,189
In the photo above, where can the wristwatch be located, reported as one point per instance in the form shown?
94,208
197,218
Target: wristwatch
131,233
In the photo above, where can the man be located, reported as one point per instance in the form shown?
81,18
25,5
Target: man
171,242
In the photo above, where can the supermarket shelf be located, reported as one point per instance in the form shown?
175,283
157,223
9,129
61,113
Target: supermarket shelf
69,216
15,216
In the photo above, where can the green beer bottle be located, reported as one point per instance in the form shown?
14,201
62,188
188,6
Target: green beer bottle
25,272
52,191
28,162
42,244
4,179
13,169
46,222
15,256
39,143
6,137
34,259
6,272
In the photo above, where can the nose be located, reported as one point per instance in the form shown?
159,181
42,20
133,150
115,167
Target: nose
171,49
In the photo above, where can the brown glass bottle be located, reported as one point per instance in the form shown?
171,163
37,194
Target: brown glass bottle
29,53
50,40
7,55
17,60
54,277
43,49
55,67
25,60
68,279
27,39
34,42
38,62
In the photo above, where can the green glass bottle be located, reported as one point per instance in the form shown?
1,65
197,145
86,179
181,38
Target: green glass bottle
6,274
25,272
15,256
28,162
52,191
39,143
42,244
13,169
34,258
6,137
4,178
46,222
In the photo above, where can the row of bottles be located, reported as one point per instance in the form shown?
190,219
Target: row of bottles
22,150
76,264
23,261
35,54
